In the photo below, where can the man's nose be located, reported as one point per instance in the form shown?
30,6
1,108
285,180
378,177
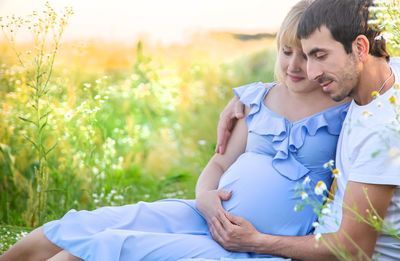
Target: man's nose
313,71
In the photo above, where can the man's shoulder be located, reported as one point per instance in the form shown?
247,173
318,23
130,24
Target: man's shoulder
394,61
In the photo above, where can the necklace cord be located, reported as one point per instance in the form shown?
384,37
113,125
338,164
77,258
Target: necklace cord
387,79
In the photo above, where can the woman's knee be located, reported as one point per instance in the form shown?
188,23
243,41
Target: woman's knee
64,256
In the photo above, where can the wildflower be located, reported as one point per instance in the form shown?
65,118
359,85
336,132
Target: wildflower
320,188
384,35
304,195
393,152
326,211
98,81
97,97
119,197
318,236
335,173
95,170
296,208
306,180
201,142
374,94
69,115
396,86
392,99
329,164
315,224
367,114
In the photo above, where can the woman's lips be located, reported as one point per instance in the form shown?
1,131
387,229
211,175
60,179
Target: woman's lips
295,78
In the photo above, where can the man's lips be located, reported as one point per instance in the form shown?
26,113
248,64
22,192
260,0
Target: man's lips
325,86
295,78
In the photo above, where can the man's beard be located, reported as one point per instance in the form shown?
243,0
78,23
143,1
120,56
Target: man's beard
348,82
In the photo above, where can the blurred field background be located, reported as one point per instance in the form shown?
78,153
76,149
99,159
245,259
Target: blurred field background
115,123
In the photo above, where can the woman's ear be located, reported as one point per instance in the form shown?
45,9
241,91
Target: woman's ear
361,47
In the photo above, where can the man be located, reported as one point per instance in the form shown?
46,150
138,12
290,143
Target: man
348,59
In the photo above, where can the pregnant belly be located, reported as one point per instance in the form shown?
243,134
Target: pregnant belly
264,197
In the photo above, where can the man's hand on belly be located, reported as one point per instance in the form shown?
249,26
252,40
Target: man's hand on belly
234,233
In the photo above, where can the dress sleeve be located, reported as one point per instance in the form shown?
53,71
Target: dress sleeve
251,94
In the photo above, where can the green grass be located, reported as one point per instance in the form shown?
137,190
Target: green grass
11,234
126,129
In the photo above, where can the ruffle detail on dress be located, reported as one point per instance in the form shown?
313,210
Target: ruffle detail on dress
287,137
251,95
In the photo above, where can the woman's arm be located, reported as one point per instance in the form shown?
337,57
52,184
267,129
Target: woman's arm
208,198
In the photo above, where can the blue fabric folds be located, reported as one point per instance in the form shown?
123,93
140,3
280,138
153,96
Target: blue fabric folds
286,137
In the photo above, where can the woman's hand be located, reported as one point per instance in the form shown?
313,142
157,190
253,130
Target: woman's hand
228,118
235,233
209,203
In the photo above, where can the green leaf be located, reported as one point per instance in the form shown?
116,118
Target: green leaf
26,120
52,147
33,143
43,125
45,115
373,155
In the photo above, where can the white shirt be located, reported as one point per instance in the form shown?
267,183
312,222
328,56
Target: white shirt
366,153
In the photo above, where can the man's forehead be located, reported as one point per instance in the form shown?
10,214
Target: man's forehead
321,38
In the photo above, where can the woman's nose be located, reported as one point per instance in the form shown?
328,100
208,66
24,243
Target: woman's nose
294,64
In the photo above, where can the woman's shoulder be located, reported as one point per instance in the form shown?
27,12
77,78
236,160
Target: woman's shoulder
253,93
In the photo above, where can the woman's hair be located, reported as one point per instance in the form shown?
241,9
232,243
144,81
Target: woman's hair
287,34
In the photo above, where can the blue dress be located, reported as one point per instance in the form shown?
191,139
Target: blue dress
279,155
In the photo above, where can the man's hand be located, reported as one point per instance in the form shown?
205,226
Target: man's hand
209,203
235,233
228,118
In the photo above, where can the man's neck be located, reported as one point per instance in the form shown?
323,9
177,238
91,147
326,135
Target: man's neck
373,76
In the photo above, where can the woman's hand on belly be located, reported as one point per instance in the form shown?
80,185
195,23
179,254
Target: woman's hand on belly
209,203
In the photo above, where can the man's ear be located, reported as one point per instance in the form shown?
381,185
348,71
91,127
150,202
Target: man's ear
361,47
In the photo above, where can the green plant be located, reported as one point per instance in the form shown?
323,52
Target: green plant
47,29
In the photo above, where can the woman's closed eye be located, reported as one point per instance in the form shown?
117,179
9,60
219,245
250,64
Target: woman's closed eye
287,53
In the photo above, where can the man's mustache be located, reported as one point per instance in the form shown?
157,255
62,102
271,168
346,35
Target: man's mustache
323,79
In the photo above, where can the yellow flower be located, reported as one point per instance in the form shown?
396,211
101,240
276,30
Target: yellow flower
396,86
304,195
374,94
335,173
320,188
367,114
392,99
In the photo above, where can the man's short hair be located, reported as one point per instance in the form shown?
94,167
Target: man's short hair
345,19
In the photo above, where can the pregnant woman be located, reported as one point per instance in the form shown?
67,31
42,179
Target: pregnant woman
291,129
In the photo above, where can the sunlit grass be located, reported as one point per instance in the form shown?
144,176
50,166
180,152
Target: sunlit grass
131,122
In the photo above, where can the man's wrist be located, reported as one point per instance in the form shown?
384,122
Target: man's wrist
259,243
